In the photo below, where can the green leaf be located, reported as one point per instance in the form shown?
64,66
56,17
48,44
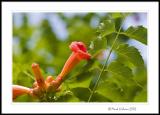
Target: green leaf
140,75
82,93
121,91
130,53
99,98
22,74
120,74
111,91
119,77
25,98
81,80
118,15
141,96
83,77
105,28
97,45
138,33
119,69
67,97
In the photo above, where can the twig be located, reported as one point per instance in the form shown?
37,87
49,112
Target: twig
104,65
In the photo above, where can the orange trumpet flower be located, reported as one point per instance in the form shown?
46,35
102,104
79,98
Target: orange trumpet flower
39,78
18,90
79,52
40,86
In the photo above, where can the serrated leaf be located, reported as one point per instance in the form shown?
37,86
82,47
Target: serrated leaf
130,53
119,69
111,91
106,27
140,75
120,82
120,74
113,88
138,33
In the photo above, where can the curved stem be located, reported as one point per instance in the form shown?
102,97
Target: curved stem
104,65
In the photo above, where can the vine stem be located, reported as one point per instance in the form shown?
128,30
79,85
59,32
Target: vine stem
105,64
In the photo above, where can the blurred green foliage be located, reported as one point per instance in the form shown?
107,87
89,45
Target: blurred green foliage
125,79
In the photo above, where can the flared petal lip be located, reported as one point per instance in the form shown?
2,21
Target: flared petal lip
80,48
34,65
75,46
83,55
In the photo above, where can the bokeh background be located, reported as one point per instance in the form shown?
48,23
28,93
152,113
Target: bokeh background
44,38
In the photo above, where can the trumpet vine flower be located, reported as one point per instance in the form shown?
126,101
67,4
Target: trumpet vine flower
79,52
39,78
18,90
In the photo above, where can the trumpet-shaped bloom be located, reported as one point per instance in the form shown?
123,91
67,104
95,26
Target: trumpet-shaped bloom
40,86
18,90
39,78
79,52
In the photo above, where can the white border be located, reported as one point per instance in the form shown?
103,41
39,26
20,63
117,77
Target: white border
9,7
